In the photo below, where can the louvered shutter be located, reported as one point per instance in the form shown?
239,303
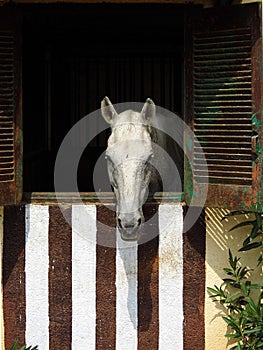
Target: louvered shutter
223,107
10,109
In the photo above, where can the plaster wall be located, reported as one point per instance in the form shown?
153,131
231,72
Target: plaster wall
65,256
64,290
218,241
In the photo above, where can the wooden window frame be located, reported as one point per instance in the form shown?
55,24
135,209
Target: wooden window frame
11,106
233,197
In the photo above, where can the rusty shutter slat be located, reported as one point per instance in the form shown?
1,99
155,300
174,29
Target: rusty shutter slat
217,112
220,103
7,106
10,109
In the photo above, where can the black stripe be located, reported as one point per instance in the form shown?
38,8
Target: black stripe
60,279
194,285
105,280
14,275
148,283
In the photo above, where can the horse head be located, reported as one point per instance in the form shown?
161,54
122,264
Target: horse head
128,155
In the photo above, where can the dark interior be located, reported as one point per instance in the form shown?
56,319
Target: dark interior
73,56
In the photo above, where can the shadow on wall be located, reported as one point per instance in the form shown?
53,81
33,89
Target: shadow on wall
219,239
147,274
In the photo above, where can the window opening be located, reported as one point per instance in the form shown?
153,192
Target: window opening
75,55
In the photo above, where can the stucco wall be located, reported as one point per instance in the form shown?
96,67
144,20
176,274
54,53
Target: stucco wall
64,290
218,241
140,291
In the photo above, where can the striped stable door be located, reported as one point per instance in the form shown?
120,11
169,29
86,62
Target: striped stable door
62,290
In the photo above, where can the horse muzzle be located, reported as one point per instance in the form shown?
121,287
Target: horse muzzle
129,227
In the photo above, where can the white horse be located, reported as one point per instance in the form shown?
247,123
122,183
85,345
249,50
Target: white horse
132,159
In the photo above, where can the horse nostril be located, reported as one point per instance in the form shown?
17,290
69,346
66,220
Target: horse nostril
119,222
139,222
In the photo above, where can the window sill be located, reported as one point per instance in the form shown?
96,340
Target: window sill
52,198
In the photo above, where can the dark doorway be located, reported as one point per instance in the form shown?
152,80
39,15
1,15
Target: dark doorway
74,55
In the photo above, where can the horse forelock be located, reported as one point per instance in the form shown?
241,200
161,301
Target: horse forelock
129,125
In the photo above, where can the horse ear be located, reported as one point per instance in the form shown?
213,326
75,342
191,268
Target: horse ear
107,110
148,110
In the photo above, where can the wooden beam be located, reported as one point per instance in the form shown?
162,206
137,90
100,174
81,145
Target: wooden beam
206,3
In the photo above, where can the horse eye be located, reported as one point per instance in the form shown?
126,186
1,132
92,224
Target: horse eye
151,156
108,158
114,185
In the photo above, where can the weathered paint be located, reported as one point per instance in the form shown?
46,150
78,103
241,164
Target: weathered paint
106,279
83,277
194,283
60,277
14,275
36,270
171,277
227,81
11,108
75,281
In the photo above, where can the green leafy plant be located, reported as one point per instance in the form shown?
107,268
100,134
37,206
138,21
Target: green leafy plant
14,347
244,313
254,239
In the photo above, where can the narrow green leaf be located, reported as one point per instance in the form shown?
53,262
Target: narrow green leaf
232,260
13,347
243,272
252,306
256,286
259,219
254,330
251,246
229,280
234,348
231,296
245,290
231,322
242,224
230,255
214,291
247,240
256,231
231,335
260,259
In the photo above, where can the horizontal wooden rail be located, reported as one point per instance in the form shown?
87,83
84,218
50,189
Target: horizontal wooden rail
94,198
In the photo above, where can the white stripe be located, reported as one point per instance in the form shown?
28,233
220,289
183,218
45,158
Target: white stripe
126,295
1,286
84,277
36,269
170,277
